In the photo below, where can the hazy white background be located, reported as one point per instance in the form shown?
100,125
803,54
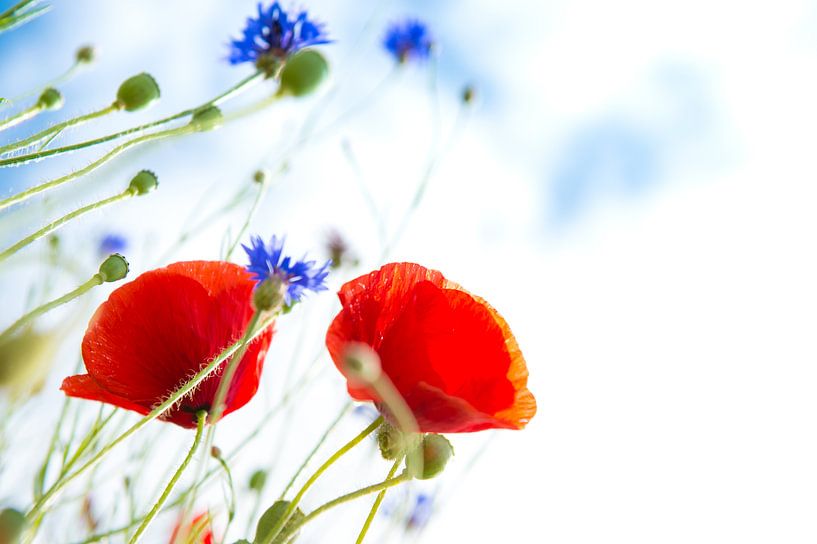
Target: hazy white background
634,190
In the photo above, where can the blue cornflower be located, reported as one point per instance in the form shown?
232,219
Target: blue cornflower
408,40
421,512
268,261
112,243
274,35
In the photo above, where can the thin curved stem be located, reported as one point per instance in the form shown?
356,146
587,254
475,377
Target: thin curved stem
335,456
385,484
54,225
59,127
28,193
377,502
155,413
229,372
229,93
259,195
16,119
202,418
315,449
48,306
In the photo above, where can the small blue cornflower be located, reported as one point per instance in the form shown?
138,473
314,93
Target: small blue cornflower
112,243
421,513
408,40
268,261
274,35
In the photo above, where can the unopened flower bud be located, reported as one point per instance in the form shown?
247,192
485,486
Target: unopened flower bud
215,452
436,452
392,442
50,99
270,519
361,364
143,183
137,92
261,176
468,94
258,480
269,294
207,118
303,73
114,268
12,523
86,54
25,362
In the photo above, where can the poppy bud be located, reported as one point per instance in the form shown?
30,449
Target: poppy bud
114,268
270,518
392,443
50,99
137,92
12,523
303,73
258,480
25,360
85,54
270,294
207,118
468,94
361,363
437,451
261,176
143,182
215,452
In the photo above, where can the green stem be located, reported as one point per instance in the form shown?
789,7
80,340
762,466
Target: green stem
386,484
202,417
54,225
59,127
155,413
229,371
18,118
95,280
258,196
28,193
377,502
229,93
335,456
315,449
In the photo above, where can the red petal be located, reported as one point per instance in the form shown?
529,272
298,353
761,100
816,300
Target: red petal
156,332
450,355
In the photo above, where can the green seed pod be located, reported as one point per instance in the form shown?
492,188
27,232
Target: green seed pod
258,480
303,73
12,523
392,443
114,268
437,451
50,99
137,92
270,518
207,118
85,54
468,94
143,183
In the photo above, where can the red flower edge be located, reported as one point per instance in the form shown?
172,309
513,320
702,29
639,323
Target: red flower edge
156,332
450,354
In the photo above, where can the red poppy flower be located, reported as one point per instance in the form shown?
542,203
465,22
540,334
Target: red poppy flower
449,354
157,331
198,531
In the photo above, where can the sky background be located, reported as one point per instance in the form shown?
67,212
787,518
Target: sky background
633,189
